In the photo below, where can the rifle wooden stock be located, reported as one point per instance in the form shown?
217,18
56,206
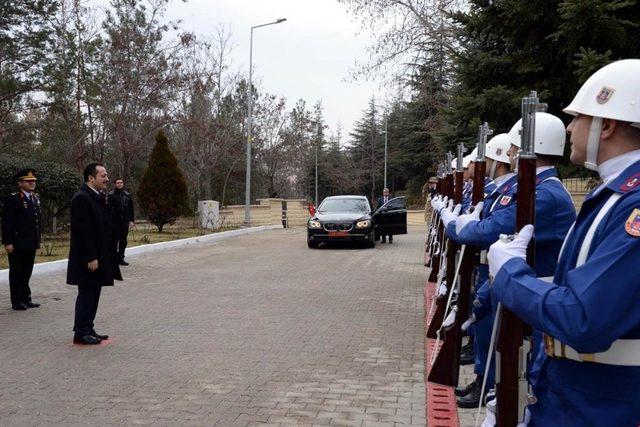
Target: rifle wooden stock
434,259
446,368
511,330
452,249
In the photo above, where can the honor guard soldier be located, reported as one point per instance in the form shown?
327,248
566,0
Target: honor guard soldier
590,372
480,229
21,228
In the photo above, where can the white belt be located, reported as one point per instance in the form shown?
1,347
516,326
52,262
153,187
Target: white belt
483,257
621,353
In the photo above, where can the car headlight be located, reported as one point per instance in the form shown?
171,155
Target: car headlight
363,224
314,224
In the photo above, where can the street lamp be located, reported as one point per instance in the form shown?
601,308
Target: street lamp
247,194
385,151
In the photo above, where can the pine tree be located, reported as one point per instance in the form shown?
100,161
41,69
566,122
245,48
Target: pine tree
163,191
509,48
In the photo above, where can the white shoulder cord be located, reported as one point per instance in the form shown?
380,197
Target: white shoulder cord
582,257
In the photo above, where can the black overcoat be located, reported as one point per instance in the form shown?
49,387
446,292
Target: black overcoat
91,239
21,222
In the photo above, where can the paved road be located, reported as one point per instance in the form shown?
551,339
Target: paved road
253,330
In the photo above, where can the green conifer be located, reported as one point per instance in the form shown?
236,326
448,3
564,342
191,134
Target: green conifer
163,191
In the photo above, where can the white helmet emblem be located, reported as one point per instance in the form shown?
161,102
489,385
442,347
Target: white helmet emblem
604,95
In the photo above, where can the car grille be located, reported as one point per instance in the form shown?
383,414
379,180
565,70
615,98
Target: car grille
333,226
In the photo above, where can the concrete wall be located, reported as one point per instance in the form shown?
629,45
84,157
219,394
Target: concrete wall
267,212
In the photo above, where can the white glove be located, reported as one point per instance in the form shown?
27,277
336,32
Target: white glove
508,247
450,319
442,290
435,203
440,204
470,321
463,220
448,216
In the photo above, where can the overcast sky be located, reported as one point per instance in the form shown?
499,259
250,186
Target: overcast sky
309,56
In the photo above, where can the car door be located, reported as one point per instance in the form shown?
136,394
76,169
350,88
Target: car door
391,218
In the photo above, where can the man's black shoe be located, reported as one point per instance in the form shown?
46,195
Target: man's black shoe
20,307
467,356
472,399
100,337
463,391
123,262
86,340
390,239
32,304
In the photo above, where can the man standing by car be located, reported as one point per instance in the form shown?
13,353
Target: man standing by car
92,263
21,237
379,203
122,219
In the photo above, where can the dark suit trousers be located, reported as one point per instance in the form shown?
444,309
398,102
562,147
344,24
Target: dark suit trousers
119,235
86,309
20,268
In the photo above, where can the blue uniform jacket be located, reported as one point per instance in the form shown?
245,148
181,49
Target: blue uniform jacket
588,308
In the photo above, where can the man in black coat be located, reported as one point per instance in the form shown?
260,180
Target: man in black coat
21,237
379,203
92,263
122,218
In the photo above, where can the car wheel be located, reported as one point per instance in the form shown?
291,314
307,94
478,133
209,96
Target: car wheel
372,240
312,245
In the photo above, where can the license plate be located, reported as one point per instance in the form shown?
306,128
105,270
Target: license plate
338,233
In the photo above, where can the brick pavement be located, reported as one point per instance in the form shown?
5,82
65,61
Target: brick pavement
253,330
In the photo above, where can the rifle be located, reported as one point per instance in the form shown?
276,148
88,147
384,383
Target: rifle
432,229
438,241
511,348
452,249
446,368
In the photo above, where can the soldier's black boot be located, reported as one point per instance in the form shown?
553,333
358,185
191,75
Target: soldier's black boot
463,391
467,356
472,399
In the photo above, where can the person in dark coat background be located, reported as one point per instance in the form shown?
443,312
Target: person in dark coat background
379,203
122,218
92,263
21,237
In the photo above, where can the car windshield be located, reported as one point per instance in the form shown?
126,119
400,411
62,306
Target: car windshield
344,205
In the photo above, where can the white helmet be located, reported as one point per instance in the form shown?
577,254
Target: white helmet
497,148
466,160
612,92
550,135
474,155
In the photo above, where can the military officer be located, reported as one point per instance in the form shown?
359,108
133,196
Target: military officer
588,313
21,237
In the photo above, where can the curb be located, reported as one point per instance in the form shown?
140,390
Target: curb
441,402
60,265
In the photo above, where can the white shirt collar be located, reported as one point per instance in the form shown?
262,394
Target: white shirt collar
613,167
94,190
502,179
541,169
26,193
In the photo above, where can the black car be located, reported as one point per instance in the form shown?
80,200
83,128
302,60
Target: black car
351,218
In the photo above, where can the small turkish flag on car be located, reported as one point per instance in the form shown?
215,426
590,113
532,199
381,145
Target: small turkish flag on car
312,209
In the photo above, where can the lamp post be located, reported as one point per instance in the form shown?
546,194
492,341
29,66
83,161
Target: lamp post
385,151
247,194
317,142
